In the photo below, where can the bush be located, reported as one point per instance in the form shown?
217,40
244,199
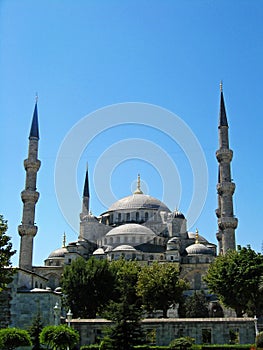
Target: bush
90,347
183,343
259,340
11,338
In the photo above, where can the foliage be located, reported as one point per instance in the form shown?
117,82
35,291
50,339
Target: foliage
11,338
196,305
160,287
34,332
6,253
87,286
182,343
235,279
59,337
90,347
259,340
124,310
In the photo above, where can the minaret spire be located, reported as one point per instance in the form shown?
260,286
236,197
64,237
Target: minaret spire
86,195
27,230
227,223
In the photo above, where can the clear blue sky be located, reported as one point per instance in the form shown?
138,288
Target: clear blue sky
81,56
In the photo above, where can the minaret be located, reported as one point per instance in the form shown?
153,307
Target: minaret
27,230
227,223
86,196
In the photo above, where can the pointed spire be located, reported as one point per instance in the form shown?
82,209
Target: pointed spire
196,236
86,184
34,126
64,240
138,189
222,114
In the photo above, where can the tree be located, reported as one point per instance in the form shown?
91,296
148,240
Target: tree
125,308
87,286
182,343
59,337
6,253
160,287
12,338
35,331
196,305
235,279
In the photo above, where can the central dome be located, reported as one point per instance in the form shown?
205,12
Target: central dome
138,201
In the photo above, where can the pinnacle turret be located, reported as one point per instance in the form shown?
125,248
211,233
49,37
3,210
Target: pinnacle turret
27,230
227,223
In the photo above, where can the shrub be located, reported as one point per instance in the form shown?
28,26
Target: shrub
183,343
259,340
90,347
11,338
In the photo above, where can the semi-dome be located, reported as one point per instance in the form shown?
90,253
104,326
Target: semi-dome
138,201
58,253
198,249
130,229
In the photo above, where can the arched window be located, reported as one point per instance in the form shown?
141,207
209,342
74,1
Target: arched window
146,215
119,217
137,216
128,216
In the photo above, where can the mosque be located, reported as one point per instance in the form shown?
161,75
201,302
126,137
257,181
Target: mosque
137,227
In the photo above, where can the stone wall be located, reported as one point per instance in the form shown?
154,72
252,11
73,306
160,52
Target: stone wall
163,331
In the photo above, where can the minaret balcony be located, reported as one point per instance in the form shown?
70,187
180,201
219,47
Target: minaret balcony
29,196
32,165
227,222
27,230
226,188
224,155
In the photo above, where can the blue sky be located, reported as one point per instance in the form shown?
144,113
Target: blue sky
82,56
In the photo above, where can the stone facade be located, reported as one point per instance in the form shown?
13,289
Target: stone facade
163,331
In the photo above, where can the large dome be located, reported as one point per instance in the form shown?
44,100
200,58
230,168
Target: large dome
138,201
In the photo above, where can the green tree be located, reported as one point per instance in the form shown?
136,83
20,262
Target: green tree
59,337
182,343
125,308
87,286
6,253
235,279
160,287
35,331
12,338
196,305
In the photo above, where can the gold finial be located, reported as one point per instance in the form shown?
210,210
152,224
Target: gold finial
138,189
64,240
221,86
196,236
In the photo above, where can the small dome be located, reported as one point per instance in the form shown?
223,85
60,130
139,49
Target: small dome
138,201
130,229
58,253
99,251
198,249
124,247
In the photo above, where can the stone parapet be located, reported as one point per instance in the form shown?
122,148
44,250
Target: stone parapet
227,222
27,230
29,196
32,164
226,188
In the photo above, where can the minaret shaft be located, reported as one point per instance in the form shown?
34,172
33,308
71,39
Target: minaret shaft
27,230
227,223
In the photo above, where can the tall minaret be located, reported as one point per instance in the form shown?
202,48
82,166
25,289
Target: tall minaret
227,223
27,230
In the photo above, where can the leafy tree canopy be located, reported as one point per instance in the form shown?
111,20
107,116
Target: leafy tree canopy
160,287
87,286
235,279
12,338
59,337
6,253
34,332
196,305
